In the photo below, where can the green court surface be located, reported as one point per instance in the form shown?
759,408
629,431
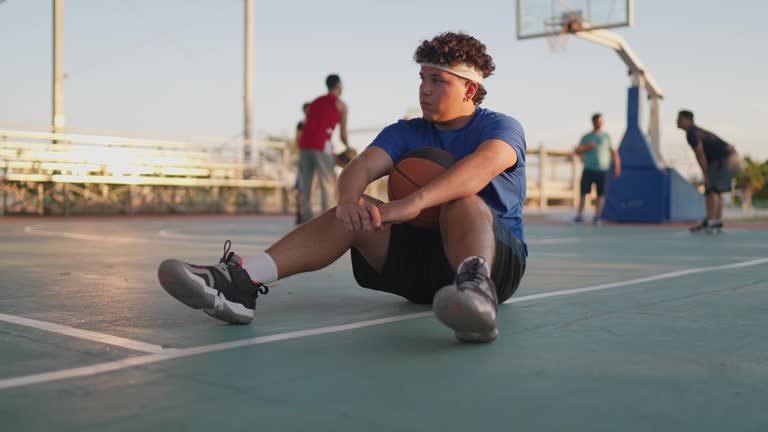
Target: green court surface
614,328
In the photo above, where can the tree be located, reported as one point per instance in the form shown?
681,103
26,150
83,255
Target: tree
751,178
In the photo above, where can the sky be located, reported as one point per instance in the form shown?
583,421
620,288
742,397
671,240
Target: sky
175,67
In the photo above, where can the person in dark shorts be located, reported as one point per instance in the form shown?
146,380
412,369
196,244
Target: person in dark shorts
719,164
473,262
597,152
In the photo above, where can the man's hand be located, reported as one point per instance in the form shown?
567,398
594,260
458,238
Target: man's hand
583,148
363,215
399,210
616,172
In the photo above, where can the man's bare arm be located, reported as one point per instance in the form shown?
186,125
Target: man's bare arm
357,213
616,163
468,176
373,163
702,159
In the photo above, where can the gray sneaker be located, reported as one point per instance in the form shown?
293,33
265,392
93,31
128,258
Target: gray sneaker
223,291
469,305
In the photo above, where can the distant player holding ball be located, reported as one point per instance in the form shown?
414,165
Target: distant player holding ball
464,256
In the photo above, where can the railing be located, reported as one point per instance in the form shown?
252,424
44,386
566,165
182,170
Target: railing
33,164
553,177
77,158
59,173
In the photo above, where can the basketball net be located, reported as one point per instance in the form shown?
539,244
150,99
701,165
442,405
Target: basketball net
557,40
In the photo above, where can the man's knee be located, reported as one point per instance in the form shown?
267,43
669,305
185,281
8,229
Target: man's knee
373,246
360,239
465,207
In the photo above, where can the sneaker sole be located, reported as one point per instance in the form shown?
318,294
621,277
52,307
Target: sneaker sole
188,288
451,310
473,337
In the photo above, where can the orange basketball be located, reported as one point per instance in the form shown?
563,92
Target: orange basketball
415,169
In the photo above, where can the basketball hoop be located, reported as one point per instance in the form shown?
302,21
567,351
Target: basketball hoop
557,42
558,29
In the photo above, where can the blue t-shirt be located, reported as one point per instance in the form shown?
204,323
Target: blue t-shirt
599,158
505,194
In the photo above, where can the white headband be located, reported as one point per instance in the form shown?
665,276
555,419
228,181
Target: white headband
462,70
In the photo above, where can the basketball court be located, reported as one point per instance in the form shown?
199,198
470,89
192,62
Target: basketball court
629,327
616,327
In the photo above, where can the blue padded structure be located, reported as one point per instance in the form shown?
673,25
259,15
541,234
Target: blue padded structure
644,193
637,196
685,202
634,150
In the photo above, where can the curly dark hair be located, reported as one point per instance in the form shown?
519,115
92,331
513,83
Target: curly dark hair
451,49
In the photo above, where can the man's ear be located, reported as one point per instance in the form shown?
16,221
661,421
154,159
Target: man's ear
471,89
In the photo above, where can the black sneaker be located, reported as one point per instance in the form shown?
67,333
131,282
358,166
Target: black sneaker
716,227
223,291
469,305
703,226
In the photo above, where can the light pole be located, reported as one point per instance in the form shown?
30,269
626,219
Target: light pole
57,115
247,81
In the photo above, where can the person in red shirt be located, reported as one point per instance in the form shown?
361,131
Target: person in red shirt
316,149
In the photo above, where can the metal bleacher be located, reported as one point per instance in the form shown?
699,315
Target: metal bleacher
58,173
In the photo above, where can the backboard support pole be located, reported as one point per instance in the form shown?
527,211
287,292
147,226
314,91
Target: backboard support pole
639,74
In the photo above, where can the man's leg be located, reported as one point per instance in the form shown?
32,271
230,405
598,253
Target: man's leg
326,179
712,199
580,213
704,225
599,204
297,198
585,185
322,241
307,172
229,289
467,229
469,305
601,179
718,206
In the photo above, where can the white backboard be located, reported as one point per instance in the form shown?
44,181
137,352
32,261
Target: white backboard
541,18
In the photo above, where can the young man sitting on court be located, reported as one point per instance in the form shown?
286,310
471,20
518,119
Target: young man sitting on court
473,262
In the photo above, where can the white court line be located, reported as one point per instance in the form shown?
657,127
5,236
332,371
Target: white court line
610,255
555,240
185,352
639,280
35,231
82,334
169,354
252,238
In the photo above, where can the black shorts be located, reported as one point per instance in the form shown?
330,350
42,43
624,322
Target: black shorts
416,266
721,173
598,177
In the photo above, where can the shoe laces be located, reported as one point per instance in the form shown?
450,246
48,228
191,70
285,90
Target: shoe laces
471,272
227,258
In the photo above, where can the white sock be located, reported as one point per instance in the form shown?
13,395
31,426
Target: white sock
713,221
261,268
483,267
